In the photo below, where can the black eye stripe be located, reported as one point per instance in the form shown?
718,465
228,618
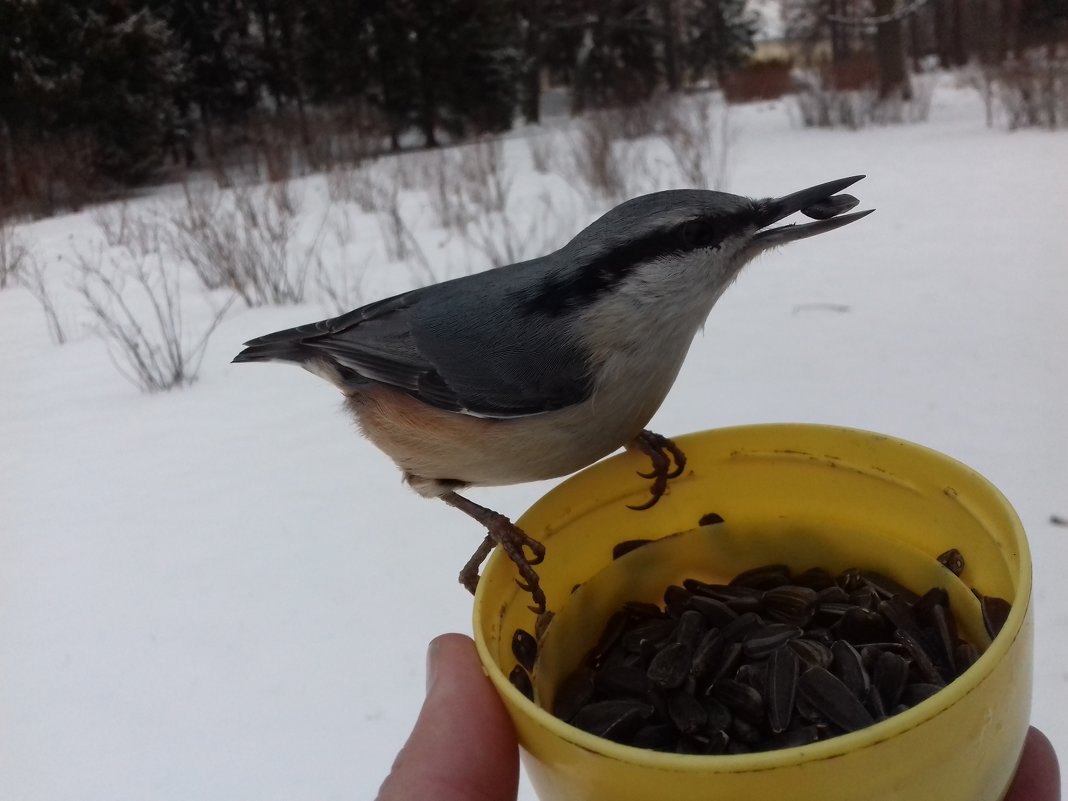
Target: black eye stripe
574,288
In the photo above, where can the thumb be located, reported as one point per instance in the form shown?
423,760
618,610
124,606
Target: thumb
463,746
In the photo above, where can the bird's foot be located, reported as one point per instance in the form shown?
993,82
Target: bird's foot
513,540
662,451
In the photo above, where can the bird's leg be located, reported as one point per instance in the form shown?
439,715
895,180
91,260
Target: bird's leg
511,538
658,448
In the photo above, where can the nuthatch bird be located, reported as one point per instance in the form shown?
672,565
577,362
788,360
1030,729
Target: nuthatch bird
538,369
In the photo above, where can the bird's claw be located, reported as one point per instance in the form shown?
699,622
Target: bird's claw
514,541
661,451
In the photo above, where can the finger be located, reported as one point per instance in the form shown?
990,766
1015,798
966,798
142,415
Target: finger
463,746
1038,776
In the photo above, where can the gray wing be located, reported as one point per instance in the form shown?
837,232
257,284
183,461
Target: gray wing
463,346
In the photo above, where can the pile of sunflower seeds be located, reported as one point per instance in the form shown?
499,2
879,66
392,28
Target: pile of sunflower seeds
770,660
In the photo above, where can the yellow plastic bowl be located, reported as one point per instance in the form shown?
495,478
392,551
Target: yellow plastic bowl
796,494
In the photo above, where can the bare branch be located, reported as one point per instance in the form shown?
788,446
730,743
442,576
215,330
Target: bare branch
901,13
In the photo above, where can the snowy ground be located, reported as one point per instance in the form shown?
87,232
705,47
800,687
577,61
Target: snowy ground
192,581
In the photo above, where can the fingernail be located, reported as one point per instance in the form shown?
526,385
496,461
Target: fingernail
431,663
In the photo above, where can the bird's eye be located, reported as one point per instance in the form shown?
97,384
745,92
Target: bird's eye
695,234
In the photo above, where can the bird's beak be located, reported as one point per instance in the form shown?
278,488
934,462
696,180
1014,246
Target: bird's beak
816,201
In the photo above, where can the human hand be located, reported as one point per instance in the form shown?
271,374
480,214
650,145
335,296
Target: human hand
464,748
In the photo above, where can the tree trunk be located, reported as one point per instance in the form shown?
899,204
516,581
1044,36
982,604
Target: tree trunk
670,18
530,77
890,54
960,37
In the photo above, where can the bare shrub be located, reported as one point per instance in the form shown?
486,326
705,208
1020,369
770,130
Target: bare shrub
500,238
32,277
340,285
1031,91
397,236
486,175
609,167
698,133
136,302
111,220
824,104
14,254
362,185
245,242
448,200
544,149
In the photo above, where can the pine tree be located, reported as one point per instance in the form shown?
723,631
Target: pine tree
720,36
130,70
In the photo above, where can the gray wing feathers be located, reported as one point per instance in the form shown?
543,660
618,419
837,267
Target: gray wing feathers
508,365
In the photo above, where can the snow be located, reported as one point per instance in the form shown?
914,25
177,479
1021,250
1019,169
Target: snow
224,592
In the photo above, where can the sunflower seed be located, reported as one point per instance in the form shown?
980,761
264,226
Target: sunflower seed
874,704
670,667
952,561
782,674
613,720
921,660
815,578
850,580
762,578
745,731
832,594
830,207
803,735
966,656
706,653
754,674
524,648
625,547
655,737
866,598
759,642
642,610
521,681
918,692
692,626
889,677
740,699
574,693
848,667
719,717
656,631
717,741
616,680
716,612
709,519
686,712
833,700
728,664
790,603
860,626
740,626
676,600
900,615
944,628
812,653
886,586
995,613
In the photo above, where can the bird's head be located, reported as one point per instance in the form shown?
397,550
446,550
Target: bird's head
683,243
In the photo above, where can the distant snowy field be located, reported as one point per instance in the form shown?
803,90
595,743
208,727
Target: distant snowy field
224,593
